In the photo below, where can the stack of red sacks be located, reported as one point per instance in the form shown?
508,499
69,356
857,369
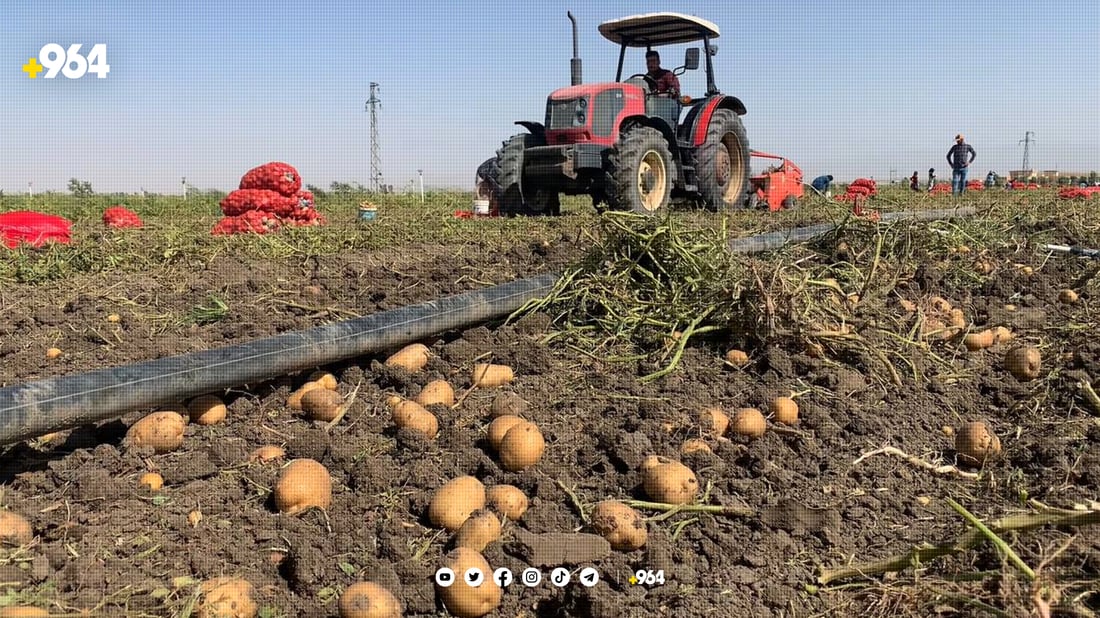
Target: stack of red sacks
269,197
861,187
1078,193
940,187
975,185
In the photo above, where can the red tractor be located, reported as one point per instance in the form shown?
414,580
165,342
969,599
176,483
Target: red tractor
623,143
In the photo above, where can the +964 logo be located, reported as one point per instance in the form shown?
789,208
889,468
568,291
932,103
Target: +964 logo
54,59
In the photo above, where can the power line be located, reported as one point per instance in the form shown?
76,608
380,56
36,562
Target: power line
373,105
1028,139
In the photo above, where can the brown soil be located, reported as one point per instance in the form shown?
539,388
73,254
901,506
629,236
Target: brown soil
103,543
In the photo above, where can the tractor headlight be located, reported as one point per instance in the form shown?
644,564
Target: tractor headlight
579,118
582,103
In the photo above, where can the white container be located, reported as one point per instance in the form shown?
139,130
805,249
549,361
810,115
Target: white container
481,207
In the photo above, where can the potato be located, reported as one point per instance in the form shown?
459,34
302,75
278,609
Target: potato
1024,363
1067,296
976,443
714,420
461,599
622,526
53,352
507,404
522,447
669,481
411,415
369,600
22,611
1001,334
227,597
14,529
152,480
294,402
453,503
979,341
303,483
507,500
737,358
412,357
393,400
480,528
499,427
694,445
748,422
161,430
206,410
436,392
266,453
488,375
321,404
325,379
939,304
784,410
957,319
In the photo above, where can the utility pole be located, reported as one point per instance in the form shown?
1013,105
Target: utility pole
1028,139
373,105
421,174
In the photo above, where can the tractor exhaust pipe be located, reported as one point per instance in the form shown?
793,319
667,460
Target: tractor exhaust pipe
575,62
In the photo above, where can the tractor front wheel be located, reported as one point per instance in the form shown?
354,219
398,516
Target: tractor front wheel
515,197
722,162
640,171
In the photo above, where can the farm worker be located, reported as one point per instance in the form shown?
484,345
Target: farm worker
957,157
931,178
821,183
990,180
667,84
914,182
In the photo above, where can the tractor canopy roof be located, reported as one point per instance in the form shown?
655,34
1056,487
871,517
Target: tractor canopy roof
655,29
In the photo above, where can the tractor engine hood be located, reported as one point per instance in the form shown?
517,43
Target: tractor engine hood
590,90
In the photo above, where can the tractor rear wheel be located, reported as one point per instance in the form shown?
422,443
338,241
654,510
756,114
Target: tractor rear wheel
515,198
640,171
722,162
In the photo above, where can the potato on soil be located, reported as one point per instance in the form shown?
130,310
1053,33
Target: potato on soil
436,392
622,526
499,427
507,500
369,600
979,341
294,401
488,375
507,404
321,404
461,599
324,378
480,528
161,430
784,410
455,501
1001,334
1067,296
976,443
748,422
669,481
266,453
694,445
227,597
53,352
14,529
303,483
522,446
714,421
206,410
411,415
737,358
151,480
22,611
412,357
1024,363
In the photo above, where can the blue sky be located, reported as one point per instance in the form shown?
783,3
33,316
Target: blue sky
207,90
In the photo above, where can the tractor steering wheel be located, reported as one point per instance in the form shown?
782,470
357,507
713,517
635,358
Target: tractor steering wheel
652,83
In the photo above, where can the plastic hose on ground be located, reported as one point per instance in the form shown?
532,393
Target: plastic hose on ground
62,402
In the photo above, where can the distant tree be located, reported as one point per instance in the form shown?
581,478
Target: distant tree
1092,176
317,192
339,187
80,188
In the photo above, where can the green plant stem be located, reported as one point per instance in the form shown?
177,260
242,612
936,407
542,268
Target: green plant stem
713,509
1004,547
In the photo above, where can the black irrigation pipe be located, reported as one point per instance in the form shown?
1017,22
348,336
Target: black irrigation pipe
62,402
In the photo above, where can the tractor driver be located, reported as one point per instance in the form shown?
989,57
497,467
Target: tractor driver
667,84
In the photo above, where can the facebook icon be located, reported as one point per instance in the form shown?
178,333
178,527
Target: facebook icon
503,577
